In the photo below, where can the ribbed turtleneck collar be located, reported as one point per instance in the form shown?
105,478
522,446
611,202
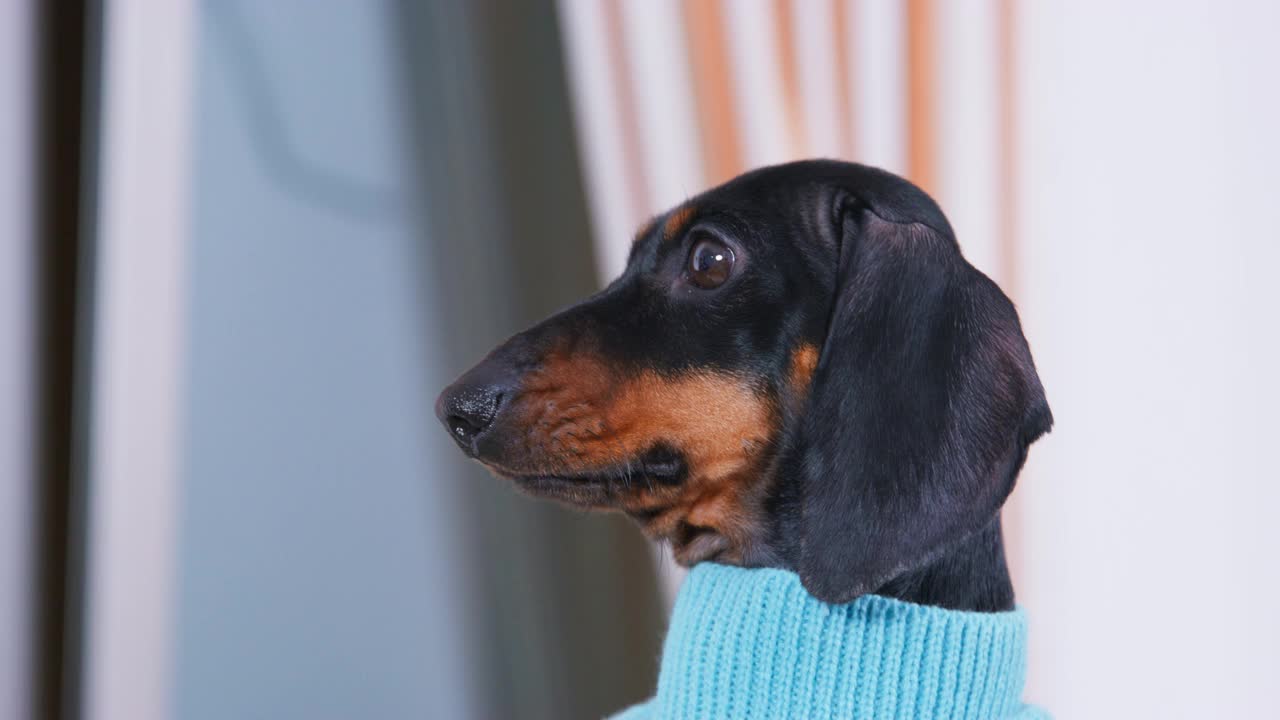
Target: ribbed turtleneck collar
753,644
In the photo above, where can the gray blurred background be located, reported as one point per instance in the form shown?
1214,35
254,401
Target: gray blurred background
366,224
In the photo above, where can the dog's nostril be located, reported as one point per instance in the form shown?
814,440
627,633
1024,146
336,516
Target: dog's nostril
463,427
469,412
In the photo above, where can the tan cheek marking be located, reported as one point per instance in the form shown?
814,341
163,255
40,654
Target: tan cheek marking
676,222
713,509
587,418
562,411
712,418
804,360
722,426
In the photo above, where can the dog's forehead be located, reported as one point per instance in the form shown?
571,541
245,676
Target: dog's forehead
775,211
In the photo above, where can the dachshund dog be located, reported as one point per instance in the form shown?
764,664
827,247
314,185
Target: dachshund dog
797,369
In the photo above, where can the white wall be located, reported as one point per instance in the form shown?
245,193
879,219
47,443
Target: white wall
1149,167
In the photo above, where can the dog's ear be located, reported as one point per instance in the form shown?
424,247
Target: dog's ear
923,403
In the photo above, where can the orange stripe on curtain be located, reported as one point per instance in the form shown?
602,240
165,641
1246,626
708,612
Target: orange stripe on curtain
1007,197
784,28
639,205
922,101
712,90
844,91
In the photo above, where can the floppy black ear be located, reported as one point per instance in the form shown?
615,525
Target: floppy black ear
923,403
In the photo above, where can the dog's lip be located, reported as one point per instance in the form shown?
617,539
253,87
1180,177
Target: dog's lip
543,481
643,470
536,476
622,475
603,477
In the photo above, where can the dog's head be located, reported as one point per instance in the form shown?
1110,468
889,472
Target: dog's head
797,368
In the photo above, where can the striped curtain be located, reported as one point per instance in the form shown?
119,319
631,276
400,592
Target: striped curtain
674,96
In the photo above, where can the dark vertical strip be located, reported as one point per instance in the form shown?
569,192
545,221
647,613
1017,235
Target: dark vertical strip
844,71
922,134
708,53
66,67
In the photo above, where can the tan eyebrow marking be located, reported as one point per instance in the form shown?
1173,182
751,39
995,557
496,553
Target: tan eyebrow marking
803,362
676,222
643,231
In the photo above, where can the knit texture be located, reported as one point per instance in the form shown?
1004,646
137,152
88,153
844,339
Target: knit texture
753,644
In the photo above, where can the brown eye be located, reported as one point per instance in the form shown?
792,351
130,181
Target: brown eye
710,263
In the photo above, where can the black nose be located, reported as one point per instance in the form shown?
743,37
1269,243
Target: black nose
468,410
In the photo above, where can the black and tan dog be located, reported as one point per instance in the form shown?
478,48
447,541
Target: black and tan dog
797,369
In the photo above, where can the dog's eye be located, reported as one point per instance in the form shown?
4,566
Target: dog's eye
710,262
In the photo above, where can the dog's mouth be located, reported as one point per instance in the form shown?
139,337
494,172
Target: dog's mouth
658,467
650,488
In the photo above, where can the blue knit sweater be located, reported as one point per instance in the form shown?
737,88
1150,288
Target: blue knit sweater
753,644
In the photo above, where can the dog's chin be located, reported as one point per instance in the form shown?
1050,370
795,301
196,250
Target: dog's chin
692,545
581,491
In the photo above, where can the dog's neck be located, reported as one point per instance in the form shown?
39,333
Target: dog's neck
970,575
973,575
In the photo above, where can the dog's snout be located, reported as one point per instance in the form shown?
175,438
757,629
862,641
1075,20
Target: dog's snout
468,410
471,405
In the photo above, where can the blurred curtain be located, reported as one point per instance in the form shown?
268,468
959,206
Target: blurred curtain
674,96
1112,166
572,614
